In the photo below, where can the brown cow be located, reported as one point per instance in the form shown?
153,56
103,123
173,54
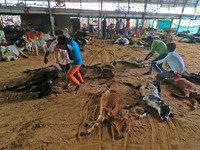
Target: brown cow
188,88
110,108
33,35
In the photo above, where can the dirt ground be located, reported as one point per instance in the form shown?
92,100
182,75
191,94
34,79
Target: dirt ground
55,122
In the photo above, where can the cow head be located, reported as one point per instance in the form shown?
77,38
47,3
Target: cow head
122,125
29,46
165,112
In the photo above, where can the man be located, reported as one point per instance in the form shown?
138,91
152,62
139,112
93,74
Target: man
109,31
76,61
159,47
117,26
127,28
61,55
121,26
175,62
104,24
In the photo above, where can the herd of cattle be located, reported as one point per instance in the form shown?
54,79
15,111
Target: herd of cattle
29,41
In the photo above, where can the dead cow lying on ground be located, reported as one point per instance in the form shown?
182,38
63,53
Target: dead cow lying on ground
110,109
40,82
151,96
188,88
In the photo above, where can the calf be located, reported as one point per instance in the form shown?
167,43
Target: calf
110,108
40,82
2,37
35,44
33,35
151,96
188,88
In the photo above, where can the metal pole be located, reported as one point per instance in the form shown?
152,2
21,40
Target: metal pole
181,15
51,18
101,16
171,24
143,15
98,28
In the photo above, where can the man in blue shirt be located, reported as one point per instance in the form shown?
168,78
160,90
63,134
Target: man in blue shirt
75,60
175,62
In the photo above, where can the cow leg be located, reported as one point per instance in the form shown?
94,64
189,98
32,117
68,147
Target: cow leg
194,103
89,131
136,104
146,113
36,48
100,118
4,39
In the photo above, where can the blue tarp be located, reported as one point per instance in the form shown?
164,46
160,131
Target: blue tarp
193,29
164,24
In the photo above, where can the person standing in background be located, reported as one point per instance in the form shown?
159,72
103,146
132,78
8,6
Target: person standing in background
121,26
104,25
117,27
127,27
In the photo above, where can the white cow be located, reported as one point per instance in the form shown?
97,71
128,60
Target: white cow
2,37
9,52
31,46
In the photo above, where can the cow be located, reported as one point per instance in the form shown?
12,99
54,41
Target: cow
110,109
40,82
2,37
33,35
31,46
151,96
188,88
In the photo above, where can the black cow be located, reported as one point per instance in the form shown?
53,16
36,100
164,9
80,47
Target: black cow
41,81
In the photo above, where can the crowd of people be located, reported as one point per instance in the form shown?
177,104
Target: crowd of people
119,28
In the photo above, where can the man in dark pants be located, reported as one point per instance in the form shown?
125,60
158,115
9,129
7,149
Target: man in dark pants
159,47
175,62
104,28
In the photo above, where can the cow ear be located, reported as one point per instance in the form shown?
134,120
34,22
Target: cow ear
171,115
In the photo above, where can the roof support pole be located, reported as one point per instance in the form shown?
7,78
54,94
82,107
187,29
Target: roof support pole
157,24
51,19
171,24
128,6
143,15
101,16
137,20
181,15
98,28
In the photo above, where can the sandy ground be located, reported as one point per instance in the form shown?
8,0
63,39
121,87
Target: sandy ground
54,122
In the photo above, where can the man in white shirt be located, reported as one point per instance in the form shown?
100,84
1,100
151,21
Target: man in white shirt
61,55
175,62
121,27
